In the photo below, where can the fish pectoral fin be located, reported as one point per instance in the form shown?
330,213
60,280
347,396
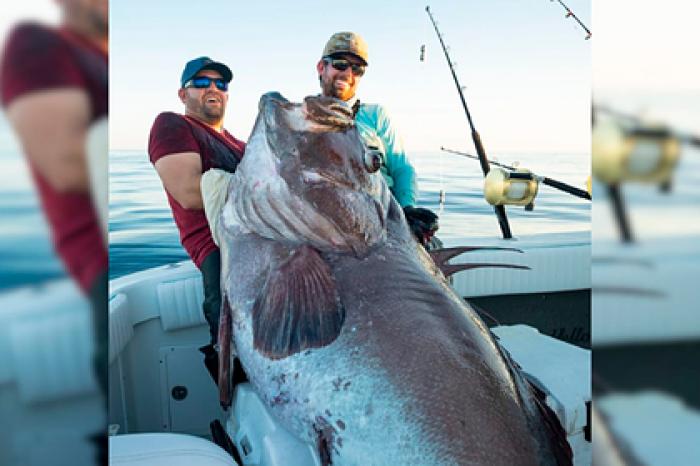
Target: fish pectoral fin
298,308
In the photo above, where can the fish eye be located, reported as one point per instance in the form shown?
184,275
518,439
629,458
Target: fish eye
373,159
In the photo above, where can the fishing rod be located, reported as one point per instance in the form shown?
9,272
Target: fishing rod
571,14
620,212
483,160
560,185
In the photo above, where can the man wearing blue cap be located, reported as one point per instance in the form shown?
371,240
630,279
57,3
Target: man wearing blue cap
182,148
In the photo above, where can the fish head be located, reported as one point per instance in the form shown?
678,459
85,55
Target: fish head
324,185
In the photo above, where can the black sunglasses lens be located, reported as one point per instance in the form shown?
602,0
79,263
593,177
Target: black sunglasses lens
221,85
340,65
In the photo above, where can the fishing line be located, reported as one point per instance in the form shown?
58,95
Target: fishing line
441,178
442,187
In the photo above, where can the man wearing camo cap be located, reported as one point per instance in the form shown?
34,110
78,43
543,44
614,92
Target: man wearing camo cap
340,69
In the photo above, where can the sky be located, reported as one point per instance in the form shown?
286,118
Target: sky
646,46
645,60
526,67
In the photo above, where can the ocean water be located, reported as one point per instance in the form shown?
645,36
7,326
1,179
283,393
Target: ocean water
26,254
143,234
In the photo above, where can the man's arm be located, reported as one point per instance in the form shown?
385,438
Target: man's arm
405,187
51,126
181,174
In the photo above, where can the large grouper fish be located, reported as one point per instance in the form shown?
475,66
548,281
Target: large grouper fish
344,324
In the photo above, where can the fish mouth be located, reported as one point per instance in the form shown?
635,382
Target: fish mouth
328,112
276,111
272,97
315,114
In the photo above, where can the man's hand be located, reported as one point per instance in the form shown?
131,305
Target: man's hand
181,174
422,222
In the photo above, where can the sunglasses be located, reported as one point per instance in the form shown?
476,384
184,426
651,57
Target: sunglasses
341,64
203,82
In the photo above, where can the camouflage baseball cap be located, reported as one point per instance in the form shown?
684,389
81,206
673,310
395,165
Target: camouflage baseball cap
346,42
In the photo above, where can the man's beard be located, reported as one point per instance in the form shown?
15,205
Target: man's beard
209,114
213,113
329,89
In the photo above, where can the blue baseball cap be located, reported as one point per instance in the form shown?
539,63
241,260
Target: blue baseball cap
204,63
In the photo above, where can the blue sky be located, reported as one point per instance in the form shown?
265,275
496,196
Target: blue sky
526,68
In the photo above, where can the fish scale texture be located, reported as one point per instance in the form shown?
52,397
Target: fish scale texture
413,377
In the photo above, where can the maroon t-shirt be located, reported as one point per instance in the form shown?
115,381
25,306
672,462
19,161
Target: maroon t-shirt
172,134
39,58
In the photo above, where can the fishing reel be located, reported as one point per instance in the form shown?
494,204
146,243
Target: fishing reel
627,149
641,153
518,187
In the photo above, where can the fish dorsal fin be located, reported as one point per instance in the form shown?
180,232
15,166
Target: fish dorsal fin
441,256
450,269
298,307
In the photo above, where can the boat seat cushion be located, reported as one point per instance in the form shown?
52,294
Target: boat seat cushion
120,327
165,449
50,352
180,303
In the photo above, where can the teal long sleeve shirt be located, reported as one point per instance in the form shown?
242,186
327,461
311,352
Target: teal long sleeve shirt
375,128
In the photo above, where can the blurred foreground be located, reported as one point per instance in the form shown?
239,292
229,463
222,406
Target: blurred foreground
646,236
53,89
